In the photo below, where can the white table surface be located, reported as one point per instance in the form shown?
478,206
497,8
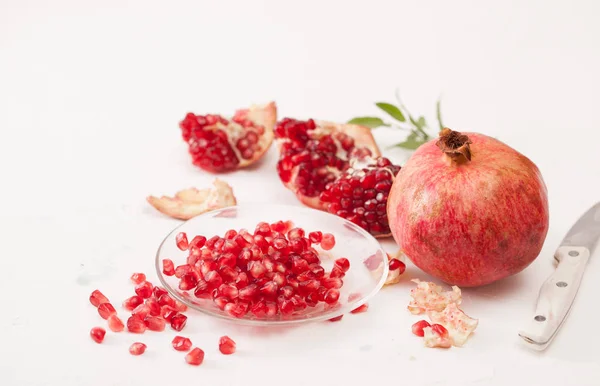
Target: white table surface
90,97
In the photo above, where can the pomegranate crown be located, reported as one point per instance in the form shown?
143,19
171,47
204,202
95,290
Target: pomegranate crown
455,145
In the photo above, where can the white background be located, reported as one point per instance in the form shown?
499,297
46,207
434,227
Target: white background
90,97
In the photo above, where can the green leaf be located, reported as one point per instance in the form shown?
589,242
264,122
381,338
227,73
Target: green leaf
439,114
412,142
392,110
370,122
421,123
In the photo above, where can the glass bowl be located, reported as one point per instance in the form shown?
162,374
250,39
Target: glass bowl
362,281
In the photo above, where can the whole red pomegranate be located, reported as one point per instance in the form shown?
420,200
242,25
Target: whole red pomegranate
468,209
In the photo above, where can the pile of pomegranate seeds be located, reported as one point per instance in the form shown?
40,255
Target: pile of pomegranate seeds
272,272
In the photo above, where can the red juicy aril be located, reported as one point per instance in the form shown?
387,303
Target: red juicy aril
272,272
337,168
217,144
468,209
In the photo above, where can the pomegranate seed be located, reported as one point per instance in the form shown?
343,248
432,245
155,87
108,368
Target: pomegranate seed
106,310
115,324
182,270
195,357
168,267
138,278
279,226
269,289
168,314
271,309
136,325
229,291
137,348
228,274
359,309
259,309
155,323
166,300
256,269
298,302
182,241
317,270
97,298
286,306
262,229
440,330
280,243
181,344
261,243
397,264
312,299
310,286
144,289
230,234
279,279
336,272
187,282
331,296
153,306
315,237
299,265
336,319
226,345
202,289
418,327
237,310
178,321
97,334
179,306
221,302
132,302
141,311
343,264
333,282
213,279
328,241
287,292
227,259
159,291
295,233
311,257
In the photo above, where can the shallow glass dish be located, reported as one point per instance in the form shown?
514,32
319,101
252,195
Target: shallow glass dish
361,282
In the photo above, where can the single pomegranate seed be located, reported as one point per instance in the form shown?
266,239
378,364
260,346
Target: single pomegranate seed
187,282
158,292
332,296
343,264
286,306
311,257
279,243
138,278
153,307
333,282
130,303
269,289
256,269
295,233
97,298
259,309
337,272
230,234
141,311
227,259
182,270
182,241
397,264
336,319
202,289
279,279
213,279
287,292
137,348
328,241
155,323
299,265
237,310
166,300
418,327
271,309
317,270
167,313
144,289
359,309
97,334
106,310
195,357
315,237
178,321
198,242
179,306
168,267
115,324
229,291
226,345
136,325
221,302
440,330
262,229
181,344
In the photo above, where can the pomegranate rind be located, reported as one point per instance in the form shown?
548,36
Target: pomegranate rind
459,325
428,296
432,339
191,202
394,277
263,115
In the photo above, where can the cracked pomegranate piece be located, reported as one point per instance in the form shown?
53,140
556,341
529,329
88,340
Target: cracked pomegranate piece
97,334
181,343
137,348
436,336
459,325
226,345
195,357
337,168
217,144
97,298
192,202
428,296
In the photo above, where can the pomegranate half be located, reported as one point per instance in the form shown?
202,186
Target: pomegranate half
468,209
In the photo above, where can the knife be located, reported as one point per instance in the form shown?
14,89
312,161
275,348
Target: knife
559,290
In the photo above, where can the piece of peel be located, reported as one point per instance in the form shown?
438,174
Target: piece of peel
374,264
432,339
459,325
192,202
429,296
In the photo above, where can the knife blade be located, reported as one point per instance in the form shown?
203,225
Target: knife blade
558,292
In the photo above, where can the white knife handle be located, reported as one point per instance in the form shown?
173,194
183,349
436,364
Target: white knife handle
556,296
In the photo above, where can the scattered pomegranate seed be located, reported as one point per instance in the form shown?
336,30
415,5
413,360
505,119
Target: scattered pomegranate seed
168,314
136,325
343,264
328,241
440,330
141,311
106,310
360,309
182,241
336,319
332,296
144,289
418,327
198,242
168,267
226,345
315,237
195,357
137,348
153,307
115,324
158,292
178,321
155,323
138,278
397,264
181,344
97,298
97,334
131,303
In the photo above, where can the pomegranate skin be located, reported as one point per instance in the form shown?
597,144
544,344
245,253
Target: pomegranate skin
472,223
